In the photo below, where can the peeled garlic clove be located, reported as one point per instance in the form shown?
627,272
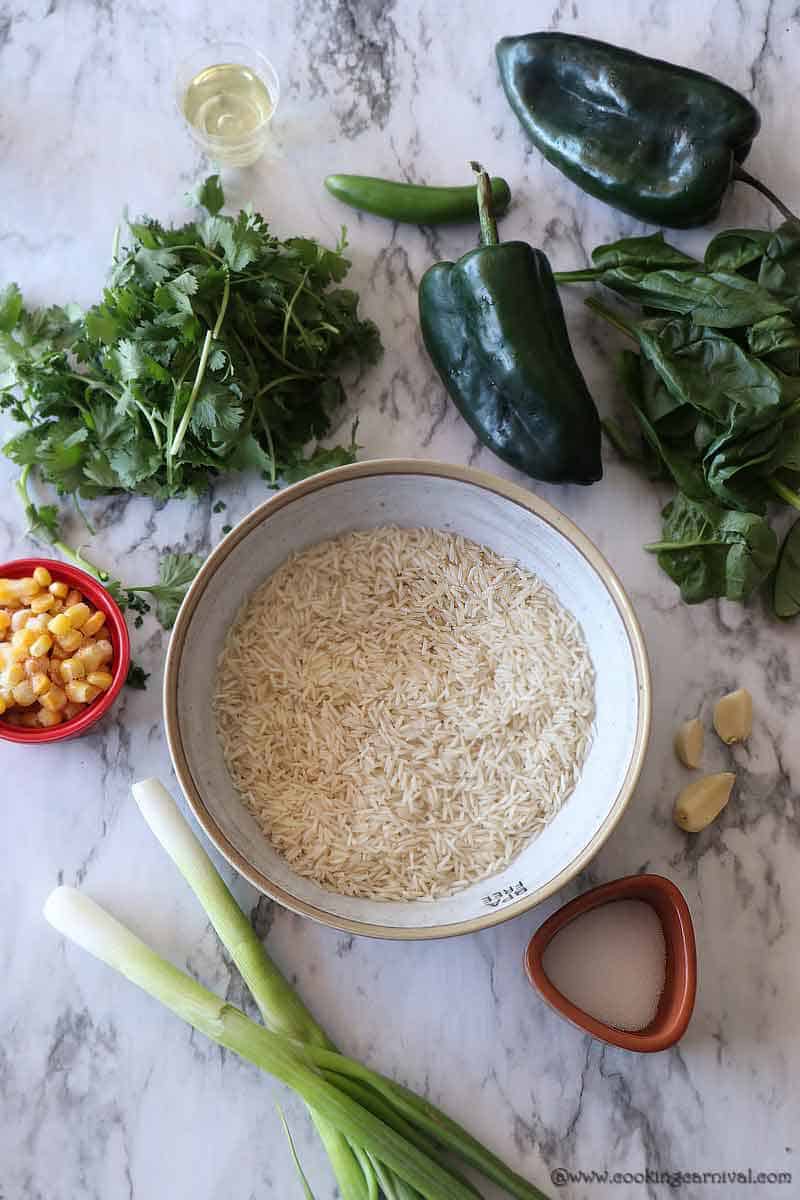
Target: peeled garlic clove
733,716
701,802
689,743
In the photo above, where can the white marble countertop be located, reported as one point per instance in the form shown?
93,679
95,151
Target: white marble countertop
103,1095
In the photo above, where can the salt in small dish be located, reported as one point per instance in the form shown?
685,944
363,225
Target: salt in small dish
676,1001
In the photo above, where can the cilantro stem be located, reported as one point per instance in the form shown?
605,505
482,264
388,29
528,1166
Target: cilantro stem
273,383
290,310
211,335
54,540
267,344
270,444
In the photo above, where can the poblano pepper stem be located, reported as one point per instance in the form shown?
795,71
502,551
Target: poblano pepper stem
489,235
745,177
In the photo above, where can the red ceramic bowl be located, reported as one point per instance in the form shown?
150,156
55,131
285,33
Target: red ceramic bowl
680,983
98,597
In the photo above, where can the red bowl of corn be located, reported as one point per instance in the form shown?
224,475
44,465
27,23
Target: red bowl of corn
64,651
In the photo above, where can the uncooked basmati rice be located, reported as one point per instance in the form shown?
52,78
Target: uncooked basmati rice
403,710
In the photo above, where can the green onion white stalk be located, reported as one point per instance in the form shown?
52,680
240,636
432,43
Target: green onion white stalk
382,1139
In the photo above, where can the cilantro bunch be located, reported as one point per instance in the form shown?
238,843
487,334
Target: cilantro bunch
216,347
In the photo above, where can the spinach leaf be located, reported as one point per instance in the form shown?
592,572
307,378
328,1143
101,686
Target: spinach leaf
722,300
738,467
736,248
712,552
773,334
676,458
645,252
786,590
711,373
780,266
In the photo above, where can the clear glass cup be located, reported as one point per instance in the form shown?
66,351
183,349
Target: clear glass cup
227,93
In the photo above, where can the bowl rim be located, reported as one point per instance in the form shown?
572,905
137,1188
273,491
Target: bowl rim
488,482
120,639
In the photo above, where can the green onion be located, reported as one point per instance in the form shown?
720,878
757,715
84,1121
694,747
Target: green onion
381,1138
95,930
281,1008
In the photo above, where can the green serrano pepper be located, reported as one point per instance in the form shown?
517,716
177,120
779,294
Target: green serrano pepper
412,202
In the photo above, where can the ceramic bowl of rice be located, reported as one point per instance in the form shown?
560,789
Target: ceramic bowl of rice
407,699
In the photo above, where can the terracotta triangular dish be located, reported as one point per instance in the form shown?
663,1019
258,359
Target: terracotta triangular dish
676,1001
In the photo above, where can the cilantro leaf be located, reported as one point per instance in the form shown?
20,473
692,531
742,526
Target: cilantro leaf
137,677
174,577
10,307
208,195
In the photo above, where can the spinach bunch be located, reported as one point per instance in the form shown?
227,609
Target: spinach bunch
715,389
215,348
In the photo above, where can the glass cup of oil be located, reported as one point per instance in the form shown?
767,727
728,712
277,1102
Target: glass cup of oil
227,93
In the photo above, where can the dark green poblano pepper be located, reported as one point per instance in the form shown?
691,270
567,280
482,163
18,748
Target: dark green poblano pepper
658,141
494,327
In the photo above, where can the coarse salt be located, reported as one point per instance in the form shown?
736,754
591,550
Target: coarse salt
611,962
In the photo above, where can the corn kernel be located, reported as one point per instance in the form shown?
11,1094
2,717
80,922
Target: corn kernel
71,641
40,683
59,625
105,649
20,618
3,706
70,710
55,670
59,652
82,692
41,646
27,587
47,718
29,719
5,621
73,669
42,577
24,637
90,656
58,589
78,613
94,624
100,679
40,604
23,693
36,666
58,606
73,596
54,700
14,675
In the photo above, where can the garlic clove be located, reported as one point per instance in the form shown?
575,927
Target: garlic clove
689,742
701,802
733,716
